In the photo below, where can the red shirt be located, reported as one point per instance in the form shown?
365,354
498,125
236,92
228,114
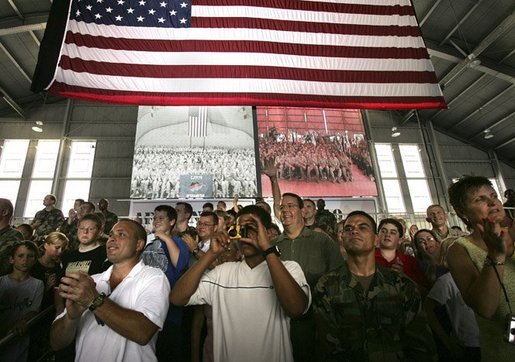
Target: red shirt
410,266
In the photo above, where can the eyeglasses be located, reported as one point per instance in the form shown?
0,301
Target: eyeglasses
204,224
87,230
288,207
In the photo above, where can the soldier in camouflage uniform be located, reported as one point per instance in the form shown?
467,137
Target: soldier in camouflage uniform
47,220
110,217
365,312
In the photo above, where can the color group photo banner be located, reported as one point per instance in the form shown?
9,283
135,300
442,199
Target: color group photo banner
194,152
316,152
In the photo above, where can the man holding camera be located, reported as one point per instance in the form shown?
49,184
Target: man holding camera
254,297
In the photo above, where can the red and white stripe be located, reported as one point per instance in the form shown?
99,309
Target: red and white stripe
325,53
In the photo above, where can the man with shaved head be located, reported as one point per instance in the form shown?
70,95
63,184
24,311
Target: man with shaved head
114,315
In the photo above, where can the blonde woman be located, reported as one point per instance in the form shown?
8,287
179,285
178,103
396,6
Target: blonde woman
49,270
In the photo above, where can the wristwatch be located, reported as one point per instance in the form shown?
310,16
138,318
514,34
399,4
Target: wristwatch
272,250
97,302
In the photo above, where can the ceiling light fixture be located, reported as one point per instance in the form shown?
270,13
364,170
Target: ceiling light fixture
487,134
38,127
395,132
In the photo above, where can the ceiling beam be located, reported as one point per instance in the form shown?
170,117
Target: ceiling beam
15,25
15,62
11,102
482,107
497,123
462,20
452,101
505,143
499,30
429,12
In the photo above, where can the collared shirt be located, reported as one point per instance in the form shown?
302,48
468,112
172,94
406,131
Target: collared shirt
315,252
385,323
144,289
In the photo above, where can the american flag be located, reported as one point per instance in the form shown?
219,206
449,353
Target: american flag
197,122
325,53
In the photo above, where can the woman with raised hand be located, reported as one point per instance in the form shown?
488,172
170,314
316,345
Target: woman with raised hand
483,264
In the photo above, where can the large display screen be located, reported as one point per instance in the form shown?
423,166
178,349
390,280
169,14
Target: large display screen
316,152
194,152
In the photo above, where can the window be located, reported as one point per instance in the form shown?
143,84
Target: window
12,162
38,189
78,175
391,186
415,177
42,175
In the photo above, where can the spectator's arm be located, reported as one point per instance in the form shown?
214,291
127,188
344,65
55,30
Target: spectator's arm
271,171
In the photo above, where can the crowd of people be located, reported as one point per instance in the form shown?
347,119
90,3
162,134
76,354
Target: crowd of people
249,284
157,170
316,158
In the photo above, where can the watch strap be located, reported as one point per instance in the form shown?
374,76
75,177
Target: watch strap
272,250
97,302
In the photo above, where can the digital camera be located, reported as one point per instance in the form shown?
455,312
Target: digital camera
237,232
509,329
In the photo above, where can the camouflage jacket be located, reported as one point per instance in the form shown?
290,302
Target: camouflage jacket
50,221
8,236
70,230
111,219
384,324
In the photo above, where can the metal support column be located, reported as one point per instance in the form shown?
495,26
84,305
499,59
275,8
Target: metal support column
375,164
62,146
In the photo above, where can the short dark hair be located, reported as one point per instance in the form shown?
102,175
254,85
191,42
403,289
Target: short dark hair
26,243
264,216
138,229
187,207
309,200
79,200
208,204
170,211
210,214
222,202
392,221
459,191
90,204
92,217
264,205
363,213
299,199
25,229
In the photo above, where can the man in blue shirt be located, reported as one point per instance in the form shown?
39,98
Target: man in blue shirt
171,255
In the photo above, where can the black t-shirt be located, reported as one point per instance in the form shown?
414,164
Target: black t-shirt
91,262
42,273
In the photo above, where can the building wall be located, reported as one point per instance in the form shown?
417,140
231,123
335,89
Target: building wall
114,128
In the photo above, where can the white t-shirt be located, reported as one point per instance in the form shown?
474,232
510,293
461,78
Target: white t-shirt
249,323
144,289
16,300
463,319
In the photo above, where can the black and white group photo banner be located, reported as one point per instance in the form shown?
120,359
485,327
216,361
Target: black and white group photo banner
194,152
